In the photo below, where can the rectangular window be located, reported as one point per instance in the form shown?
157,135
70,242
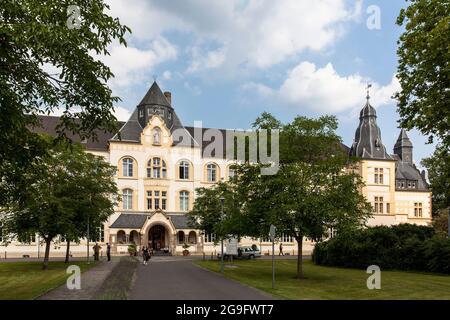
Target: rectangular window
149,203
379,176
378,205
163,204
210,237
418,209
376,175
156,203
388,207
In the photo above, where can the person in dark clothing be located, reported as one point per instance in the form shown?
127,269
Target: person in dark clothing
145,255
281,250
108,251
96,251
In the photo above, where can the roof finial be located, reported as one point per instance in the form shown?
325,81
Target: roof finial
369,85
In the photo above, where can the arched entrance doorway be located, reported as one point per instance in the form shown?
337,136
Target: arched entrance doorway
157,238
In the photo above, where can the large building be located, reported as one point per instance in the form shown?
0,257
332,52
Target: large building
160,163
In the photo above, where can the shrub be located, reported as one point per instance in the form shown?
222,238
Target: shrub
401,247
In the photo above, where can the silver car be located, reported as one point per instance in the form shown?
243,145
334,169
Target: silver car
249,252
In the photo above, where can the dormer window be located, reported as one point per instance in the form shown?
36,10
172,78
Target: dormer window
169,115
141,113
157,136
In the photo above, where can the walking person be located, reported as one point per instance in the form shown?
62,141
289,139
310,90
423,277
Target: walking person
108,251
144,255
281,250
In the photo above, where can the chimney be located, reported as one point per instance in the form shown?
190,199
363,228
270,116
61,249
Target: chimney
168,96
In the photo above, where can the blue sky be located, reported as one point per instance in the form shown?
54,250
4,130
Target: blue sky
225,62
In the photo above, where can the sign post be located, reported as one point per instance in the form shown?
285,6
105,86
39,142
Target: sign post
272,232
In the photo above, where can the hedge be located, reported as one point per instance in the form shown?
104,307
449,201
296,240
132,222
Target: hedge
400,247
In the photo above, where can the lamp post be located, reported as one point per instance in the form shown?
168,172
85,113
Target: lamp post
222,200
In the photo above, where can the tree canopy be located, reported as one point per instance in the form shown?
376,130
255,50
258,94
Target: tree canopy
423,69
51,59
60,193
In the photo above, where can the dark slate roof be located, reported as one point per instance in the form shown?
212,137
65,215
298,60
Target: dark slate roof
137,220
154,96
180,221
403,140
130,221
130,130
408,171
48,125
367,143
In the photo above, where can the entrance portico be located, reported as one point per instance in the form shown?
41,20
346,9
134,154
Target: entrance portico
159,233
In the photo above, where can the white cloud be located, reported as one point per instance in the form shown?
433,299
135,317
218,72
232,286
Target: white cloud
254,33
130,64
325,91
121,113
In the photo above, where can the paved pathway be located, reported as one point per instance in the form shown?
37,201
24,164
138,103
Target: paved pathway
91,281
177,278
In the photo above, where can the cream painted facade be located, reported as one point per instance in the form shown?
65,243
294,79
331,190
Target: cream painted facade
148,164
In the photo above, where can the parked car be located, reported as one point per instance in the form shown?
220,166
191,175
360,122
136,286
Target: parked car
243,253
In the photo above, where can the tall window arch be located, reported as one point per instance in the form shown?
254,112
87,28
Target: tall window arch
127,199
156,168
156,135
184,200
183,170
127,167
211,172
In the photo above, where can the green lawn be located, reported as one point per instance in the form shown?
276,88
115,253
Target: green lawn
27,280
333,283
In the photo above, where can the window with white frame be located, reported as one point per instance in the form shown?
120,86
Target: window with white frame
184,201
211,172
156,168
156,199
127,199
183,170
418,209
378,205
127,167
379,176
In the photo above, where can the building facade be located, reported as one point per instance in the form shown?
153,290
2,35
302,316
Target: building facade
160,163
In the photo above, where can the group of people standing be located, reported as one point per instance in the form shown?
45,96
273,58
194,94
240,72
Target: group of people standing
146,254
97,248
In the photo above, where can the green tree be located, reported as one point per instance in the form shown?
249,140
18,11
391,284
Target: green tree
58,192
423,69
46,64
92,187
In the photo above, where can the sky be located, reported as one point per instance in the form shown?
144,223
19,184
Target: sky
226,62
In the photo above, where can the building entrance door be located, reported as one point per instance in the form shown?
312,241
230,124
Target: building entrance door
156,237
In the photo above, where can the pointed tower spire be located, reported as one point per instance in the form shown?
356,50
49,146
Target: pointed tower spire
367,143
403,147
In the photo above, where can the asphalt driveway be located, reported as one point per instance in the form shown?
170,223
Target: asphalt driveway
177,278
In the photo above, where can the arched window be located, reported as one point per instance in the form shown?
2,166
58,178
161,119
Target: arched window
156,136
211,172
192,239
127,167
134,237
184,170
156,168
184,201
127,199
121,237
180,237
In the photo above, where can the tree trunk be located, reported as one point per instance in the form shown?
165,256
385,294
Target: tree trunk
299,257
67,251
47,253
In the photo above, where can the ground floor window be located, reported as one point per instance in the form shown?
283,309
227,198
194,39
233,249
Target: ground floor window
210,237
180,237
192,239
